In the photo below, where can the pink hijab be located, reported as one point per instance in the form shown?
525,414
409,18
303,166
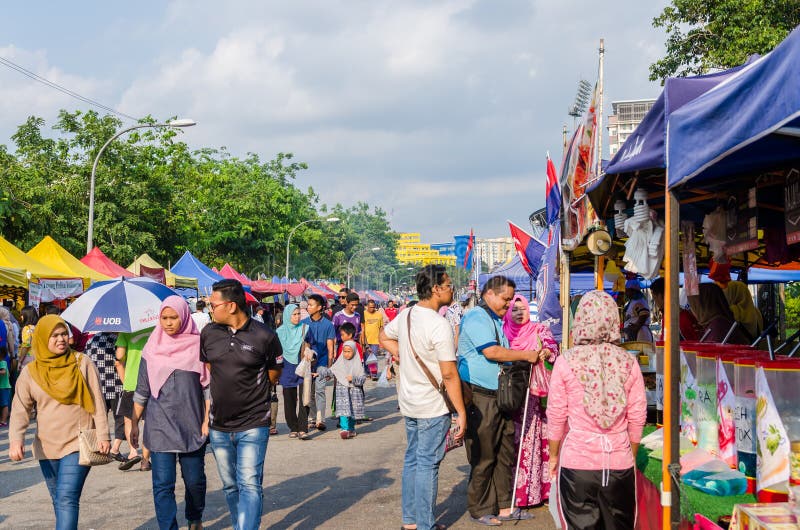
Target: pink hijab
166,353
528,335
600,366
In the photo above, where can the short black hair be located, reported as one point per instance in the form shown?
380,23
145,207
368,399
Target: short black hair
427,277
319,299
657,287
200,305
52,310
412,303
371,302
344,290
496,284
231,291
29,316
352,297
348,327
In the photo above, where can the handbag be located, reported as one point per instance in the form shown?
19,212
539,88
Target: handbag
512,383
451,442
88,450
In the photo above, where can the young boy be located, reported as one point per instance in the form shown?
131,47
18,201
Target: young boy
347,331
5,387
348,315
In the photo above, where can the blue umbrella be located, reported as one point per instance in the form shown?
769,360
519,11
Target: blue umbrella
124,304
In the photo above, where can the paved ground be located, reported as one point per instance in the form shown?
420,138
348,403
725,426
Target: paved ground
322,483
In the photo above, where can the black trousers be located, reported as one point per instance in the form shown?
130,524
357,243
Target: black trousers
296,414
588,505
119,419
490,451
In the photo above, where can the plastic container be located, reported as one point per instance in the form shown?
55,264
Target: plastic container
706,417
783,378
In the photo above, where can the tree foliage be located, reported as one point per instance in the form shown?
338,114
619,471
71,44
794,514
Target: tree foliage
153,194
703,35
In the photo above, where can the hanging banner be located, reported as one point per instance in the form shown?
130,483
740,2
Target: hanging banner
772,462
742,222
49,290
791,205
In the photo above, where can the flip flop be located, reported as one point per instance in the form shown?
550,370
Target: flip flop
303,436
292,435
488,520
517,515
129,463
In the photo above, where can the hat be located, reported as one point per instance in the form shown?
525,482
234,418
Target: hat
599,241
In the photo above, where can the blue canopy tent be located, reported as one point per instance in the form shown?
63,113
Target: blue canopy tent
645,149
190,266
750,123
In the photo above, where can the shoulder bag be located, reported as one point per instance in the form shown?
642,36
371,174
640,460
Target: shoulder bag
87,442
512,381
450,440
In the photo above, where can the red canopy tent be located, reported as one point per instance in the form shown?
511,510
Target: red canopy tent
229,272
98,261
315,289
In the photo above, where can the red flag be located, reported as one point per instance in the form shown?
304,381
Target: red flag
470,244
521,241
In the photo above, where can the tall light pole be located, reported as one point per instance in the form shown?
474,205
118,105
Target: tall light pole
173,123
291,233
395,272
363,250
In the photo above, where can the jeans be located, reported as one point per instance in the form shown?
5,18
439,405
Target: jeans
240,462
424,453
65,478
316,409
194,480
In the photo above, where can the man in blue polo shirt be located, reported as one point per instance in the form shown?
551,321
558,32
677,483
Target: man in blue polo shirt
482,346
320,337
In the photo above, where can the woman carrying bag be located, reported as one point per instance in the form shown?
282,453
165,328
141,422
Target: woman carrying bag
64,386
292,335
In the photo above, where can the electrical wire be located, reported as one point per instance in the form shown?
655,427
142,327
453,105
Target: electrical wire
27,73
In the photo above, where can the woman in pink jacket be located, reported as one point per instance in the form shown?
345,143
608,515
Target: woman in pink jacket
596,410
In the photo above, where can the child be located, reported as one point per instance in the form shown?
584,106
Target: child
5,387
348,333
348,371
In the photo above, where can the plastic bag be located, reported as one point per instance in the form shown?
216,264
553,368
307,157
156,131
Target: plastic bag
553,503
302,368
307,388
540,384
383,380
371,359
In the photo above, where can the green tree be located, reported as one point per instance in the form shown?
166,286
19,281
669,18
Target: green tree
711,34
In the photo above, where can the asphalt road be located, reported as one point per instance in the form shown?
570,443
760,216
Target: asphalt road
325,482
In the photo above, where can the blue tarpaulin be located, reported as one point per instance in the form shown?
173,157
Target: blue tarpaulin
190,266
749,123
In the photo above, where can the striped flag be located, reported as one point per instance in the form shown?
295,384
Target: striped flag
552,193
468,255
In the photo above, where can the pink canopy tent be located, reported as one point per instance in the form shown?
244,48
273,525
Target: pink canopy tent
230,273
98,261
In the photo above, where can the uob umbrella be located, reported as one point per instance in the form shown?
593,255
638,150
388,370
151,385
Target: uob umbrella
124,304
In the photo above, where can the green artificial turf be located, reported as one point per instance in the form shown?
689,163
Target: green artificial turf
711,506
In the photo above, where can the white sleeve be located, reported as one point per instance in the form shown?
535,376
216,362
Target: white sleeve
392,329
442,339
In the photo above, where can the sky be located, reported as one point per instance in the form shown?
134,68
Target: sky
439,112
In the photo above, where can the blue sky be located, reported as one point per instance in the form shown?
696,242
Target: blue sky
440,112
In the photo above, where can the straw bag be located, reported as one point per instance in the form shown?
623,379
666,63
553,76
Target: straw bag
87,447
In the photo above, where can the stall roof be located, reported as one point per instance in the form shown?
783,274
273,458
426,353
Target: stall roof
232,274
57,257
749,123
11,256
192,267
173,280
11,277
98,261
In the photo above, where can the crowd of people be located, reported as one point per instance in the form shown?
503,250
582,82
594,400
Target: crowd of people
211,377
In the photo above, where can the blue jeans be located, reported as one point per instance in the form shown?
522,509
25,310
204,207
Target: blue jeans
64,479
240,462
194,480
424,453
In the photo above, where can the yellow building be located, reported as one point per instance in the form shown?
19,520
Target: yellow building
411,250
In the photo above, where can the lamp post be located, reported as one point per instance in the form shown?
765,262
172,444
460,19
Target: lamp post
363,250
291,233
173,123
395,272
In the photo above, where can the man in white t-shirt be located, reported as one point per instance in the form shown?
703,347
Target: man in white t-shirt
422,330
200,317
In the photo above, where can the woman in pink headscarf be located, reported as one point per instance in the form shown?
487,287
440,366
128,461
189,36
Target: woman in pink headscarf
532,486
173,387
596,411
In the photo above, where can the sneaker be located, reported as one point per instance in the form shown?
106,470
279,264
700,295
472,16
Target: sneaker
146,466
345,435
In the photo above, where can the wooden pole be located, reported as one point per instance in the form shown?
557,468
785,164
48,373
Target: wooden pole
564,281
599,272
670,497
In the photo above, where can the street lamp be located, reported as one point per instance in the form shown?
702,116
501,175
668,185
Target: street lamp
291,233
174,123
395,272
373,249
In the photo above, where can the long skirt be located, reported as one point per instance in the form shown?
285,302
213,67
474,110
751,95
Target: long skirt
533,486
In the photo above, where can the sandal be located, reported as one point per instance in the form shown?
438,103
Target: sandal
517,515
488,520
321,426
292,435
146,466
303,436
129,463
273,431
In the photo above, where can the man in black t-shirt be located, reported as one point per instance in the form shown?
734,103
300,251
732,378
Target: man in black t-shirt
244,358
